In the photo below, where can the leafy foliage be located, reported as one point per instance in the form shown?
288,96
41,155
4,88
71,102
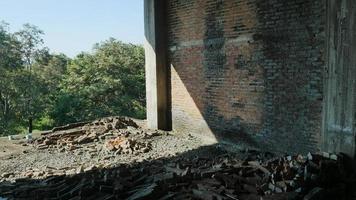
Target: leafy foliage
54,89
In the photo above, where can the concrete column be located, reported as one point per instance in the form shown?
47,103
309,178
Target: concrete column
158,111
339,120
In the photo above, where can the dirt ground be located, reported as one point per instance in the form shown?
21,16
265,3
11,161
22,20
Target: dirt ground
13,147
119,158
19,159
7,148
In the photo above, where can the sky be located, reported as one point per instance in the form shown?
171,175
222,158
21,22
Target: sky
73,26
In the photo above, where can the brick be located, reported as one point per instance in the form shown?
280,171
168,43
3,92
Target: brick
248,71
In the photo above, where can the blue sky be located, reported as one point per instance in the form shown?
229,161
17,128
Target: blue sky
72,26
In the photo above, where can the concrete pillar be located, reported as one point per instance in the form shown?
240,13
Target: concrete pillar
158,111
339,120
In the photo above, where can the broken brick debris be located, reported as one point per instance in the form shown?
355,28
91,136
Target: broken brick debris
67,127
116,131
310,177
127,146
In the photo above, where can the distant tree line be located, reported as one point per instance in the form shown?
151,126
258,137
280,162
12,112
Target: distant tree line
52,89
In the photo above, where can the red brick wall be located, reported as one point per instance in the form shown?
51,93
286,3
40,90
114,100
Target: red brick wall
248,71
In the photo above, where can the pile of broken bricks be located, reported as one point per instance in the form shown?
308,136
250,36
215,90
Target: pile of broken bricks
119,134
127,146
256,177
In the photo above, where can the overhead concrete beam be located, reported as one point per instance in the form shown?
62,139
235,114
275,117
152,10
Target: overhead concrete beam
158,111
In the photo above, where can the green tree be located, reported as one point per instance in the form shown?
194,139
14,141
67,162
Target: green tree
18,84
52,89
30,38
50,68
108,82
10,61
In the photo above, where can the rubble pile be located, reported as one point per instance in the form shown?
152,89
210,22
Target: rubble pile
311,177
120,135
85,133
127,146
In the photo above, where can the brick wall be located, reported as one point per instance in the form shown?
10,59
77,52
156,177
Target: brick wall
248,71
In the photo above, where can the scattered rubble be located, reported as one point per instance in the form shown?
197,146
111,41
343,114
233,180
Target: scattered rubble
213,175
119,134
127,146
56,152
82,133
257,176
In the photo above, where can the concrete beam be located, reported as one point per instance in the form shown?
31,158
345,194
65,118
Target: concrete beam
158,109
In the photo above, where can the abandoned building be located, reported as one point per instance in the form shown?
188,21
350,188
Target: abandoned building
266,77
275,74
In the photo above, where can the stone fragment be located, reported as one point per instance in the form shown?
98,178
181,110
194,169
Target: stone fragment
7,175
